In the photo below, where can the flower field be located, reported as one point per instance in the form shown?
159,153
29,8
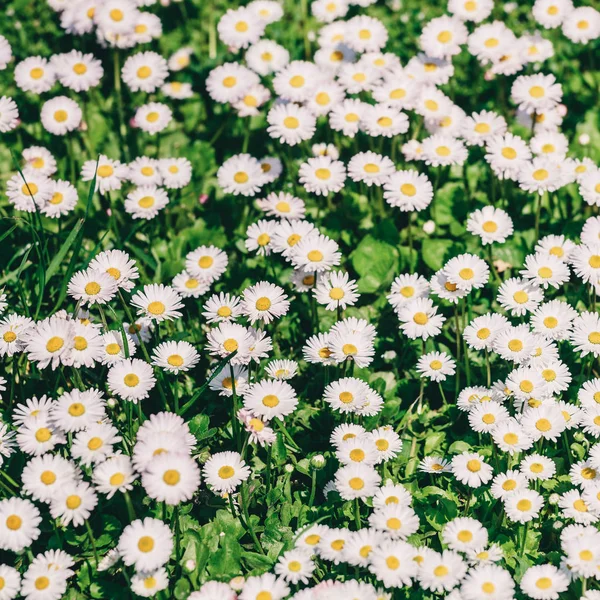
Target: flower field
298,300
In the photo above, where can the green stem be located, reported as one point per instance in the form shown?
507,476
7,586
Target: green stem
244,504
357,513
92,541
313,488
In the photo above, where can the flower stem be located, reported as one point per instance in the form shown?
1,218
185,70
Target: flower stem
92,540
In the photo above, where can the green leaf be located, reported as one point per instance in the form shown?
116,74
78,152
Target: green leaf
62,252
434,252
376,262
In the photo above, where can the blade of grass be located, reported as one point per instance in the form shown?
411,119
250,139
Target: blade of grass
215,372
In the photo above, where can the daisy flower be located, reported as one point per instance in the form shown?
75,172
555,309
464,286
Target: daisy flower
259,235
144,71
241,174
175,357
229,82
19,520
157,302
443,150
545,270
92,287
207,263
73,503
392,562
336,290
109,173
419,319
271,399
436,366
265,302
544,582
506,154
146,544
282,205
505,484
347,116
384,120
171,478
78,71
585,335
35,74
467,271
490,224
322,175
114,475
266,57
9,114
523,506
290,123
225,471
443,36
470,469
240,27
131,379
480,127
582,25
176,172
153,117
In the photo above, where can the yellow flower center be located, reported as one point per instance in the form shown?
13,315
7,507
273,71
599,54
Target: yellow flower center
145,544
14,522
131,380
156,308
73,502
263,303
474,465
270,401
43,434
543,425
171,477
356,483
95,443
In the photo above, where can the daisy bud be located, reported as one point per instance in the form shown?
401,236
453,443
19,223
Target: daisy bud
111,402
557,524
584,139
317,461
429,227
289,468
553,499
202,199
190,565
237,583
